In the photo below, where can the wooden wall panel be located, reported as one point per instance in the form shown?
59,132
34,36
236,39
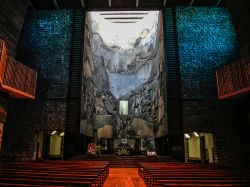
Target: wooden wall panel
234,79
19,80
16,79
3,56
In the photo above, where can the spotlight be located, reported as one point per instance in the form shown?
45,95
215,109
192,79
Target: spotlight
54,132
186,135
196,134
62,134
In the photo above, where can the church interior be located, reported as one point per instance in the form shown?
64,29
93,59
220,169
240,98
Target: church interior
129,93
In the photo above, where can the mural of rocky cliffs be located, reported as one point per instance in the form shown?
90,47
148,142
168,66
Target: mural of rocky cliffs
127,68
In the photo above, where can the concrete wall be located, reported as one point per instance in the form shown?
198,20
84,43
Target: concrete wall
12,15
240,15
45,46
207,40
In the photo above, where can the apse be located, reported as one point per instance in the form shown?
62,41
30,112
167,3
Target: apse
123,76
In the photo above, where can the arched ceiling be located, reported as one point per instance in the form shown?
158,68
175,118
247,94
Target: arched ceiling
120,4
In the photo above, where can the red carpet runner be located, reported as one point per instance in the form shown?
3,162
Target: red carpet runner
124,177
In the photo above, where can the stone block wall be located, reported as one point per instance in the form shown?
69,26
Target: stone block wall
12,15
240,15
45,46
206,41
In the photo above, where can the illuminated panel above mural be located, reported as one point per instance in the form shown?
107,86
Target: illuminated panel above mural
124,82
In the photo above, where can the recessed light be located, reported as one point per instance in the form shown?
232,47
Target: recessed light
196,134
187,135
62,134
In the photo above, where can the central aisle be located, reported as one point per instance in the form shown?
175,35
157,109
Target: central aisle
124,177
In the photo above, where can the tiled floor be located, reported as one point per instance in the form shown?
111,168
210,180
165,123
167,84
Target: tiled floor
124,177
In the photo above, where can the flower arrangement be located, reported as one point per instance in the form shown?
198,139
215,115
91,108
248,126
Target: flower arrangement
122,152
91,149
151,153
91,152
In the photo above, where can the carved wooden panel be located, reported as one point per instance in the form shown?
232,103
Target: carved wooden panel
233,79
16,79
19,80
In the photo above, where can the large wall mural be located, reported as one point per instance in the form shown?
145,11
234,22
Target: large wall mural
123,80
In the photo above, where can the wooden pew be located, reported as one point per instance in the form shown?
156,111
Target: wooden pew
54,173
181,174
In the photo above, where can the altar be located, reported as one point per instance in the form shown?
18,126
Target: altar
123,148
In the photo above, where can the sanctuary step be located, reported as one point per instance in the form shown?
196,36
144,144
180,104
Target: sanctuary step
125,161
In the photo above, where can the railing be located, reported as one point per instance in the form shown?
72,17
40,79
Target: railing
234,79
16,79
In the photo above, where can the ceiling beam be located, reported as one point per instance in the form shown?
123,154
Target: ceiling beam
164,2
83,4
56,4
191,2
218,2
110,3
137,3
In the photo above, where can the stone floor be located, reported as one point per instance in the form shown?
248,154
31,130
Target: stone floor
124,177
